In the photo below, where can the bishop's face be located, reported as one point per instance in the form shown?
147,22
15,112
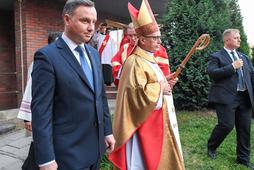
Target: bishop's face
151,42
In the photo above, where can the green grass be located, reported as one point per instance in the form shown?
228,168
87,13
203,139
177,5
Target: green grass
195,129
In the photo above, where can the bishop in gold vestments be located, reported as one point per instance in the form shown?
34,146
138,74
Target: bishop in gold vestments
145,126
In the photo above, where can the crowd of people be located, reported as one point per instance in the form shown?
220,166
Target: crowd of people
66,109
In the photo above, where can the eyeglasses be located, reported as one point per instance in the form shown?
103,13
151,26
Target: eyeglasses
154,38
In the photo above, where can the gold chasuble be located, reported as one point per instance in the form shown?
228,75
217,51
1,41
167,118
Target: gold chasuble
136,114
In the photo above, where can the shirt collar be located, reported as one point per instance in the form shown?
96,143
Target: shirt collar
148,53
72,45
229,51
144,54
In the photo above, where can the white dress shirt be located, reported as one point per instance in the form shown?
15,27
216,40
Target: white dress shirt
72,45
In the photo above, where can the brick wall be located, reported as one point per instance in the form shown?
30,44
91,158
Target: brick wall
41,17
23,31
7,62
38,18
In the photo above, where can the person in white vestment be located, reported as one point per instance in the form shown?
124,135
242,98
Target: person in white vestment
107,49
25,106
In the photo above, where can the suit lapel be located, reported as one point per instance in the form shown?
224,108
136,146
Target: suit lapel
226,55
70,58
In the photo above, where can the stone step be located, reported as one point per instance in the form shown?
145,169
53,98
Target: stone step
111,105
111,94
110,88
6,127
9,114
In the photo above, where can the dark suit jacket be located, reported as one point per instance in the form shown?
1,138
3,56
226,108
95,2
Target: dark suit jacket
69,119
224,77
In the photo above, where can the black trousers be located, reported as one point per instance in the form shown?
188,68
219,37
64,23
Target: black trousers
107,74
236,114
95,166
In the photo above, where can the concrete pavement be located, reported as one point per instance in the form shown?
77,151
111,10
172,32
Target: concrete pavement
14,148
14,145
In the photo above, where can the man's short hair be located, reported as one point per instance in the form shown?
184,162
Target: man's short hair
52,36
71,5
104,24
130,26
227,32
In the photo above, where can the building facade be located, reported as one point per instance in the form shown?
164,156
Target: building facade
24,28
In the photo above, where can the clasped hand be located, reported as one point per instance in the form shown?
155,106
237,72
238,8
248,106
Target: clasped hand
237,64
166,88
171,80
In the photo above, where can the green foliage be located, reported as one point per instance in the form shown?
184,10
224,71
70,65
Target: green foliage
185,21
195,129
105,164
252,55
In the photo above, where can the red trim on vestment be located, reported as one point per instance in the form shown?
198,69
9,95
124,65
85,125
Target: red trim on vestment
118,58
162,52
150,135
103,44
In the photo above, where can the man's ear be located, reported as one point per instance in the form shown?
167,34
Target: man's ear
142,40
66,19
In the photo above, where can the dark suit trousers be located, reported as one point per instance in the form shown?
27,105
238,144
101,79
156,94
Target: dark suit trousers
237,114
95,166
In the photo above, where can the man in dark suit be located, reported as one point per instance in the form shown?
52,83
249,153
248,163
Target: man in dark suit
232,95
71,120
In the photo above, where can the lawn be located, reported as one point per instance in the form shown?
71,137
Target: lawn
195,129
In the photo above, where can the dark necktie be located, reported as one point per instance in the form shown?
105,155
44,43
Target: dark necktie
85,66
240,85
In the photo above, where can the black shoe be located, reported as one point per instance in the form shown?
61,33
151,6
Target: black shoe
211,154
247,164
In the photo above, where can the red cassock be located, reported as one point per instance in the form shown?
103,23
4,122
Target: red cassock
125,50
125,40
118,60
161,57
151,148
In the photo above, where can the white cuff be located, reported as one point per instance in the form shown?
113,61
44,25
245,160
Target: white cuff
47,163
159,103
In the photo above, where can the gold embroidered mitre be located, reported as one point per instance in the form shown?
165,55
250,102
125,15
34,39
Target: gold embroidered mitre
143,20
